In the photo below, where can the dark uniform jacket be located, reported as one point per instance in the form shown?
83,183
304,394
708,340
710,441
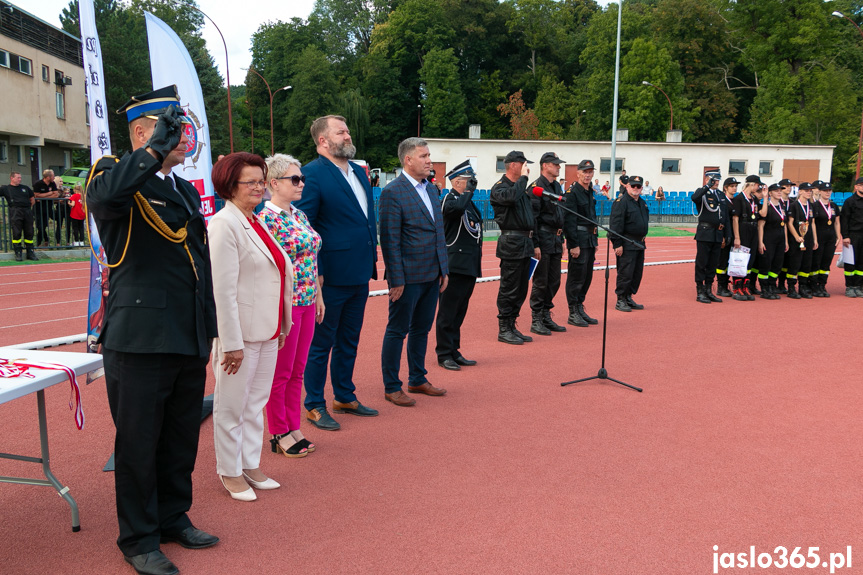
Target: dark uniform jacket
578,232
549,217
852,217
155,303
745,209
801,215
17,196
513,211
464,251
630,218
714,217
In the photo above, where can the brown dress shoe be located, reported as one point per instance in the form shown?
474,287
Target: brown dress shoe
427,389
400,398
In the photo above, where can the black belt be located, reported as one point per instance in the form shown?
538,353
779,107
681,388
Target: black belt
551,230
588,229
710,226
749,222
527,234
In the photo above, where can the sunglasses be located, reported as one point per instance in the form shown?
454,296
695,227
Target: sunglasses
635,186
294,179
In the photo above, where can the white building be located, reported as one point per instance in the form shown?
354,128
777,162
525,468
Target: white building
674,166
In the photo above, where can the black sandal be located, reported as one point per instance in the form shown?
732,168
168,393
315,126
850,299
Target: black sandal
295,450
302,440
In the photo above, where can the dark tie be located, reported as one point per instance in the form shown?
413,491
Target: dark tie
170,180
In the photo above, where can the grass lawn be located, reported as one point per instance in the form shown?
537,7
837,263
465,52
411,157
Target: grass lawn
42,261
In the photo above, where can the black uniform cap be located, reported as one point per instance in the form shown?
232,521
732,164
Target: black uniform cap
586,165
805,186
633,180
773,187
825,186
859,180
785,183
730,182
756,179
550,158
152,104
515,156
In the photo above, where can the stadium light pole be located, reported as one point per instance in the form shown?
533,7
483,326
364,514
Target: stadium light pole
671,123
860,140
270,92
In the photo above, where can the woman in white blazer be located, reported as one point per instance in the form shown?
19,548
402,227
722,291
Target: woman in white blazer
252,284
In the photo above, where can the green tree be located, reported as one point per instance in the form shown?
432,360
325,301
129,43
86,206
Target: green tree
555,109
444,106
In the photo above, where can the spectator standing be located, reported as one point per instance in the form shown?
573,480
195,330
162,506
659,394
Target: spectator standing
20,200
76,214
45,191
338,202
414,252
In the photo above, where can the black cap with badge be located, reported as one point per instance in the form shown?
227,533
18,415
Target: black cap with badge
732,181
825,186
859,181
515,156
751,179
785,183
805,186
585,165
635,181
550,158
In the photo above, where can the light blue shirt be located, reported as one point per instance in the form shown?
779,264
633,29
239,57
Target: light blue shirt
420,188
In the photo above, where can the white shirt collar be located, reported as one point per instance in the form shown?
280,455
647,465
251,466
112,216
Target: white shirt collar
413,182
279,210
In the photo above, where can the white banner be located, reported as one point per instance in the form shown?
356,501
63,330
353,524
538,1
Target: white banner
100,145
170,64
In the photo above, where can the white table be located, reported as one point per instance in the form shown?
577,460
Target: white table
16,387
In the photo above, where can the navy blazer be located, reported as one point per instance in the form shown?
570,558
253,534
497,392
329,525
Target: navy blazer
348,237
413,245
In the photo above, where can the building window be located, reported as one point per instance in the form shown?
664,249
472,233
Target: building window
500,167
46,73
4,59
605,165
16,62
736,167
25,66
670,166
20,150
4,152
765,168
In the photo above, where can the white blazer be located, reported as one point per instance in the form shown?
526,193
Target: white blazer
246,281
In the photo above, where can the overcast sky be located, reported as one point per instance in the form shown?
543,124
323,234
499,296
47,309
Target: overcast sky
238,20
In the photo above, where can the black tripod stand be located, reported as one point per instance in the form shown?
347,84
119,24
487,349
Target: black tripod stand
603,373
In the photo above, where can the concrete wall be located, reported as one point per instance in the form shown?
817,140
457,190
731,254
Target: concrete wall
639,158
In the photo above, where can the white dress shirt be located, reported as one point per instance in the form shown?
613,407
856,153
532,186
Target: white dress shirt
420,188
357,187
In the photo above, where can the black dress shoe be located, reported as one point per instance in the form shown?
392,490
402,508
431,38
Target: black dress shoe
462,361
354,408
191,538
152,563
449,364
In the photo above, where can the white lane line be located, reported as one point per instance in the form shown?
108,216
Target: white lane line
44,291
43,280
44,304
40,322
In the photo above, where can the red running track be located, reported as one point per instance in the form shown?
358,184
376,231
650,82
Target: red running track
747,434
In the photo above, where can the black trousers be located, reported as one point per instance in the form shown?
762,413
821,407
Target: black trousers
514,277
630,268
579,276
450,315
722,264
546,282
799,261
44,209
749,239
156,402
854,272
770,262
706,260
22,221
77,227
822,258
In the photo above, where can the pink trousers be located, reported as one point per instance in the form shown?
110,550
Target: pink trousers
283,408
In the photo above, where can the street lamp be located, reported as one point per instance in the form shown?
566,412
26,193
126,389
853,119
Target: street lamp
860,140
671,123
270,92
419,113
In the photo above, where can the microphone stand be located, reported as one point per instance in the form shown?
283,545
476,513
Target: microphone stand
603,373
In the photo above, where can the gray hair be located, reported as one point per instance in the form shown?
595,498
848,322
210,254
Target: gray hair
278,165
409,145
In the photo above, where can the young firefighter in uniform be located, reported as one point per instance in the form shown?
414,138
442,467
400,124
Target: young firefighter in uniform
711,235
772,242
729,187
829,237
852,228
801,244
631,219
785,187
745,221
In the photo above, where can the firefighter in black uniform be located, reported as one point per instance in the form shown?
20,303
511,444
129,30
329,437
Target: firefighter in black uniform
20,199
785,188
158,329
852,235
829,237
802,241
729,188
517,244
711,235
631,219
462,225
746,206
581,241
549,229
772,241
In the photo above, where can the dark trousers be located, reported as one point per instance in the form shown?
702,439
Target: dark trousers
339,333
799,261
706,260
579,276
411,315
450,315
546,282
77,227
22,221
770,262
514,278
749,239
61,219
822,258
722,264
155,401
854,272
630,268
43,218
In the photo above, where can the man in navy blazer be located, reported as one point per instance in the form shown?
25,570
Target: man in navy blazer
414,251
338,202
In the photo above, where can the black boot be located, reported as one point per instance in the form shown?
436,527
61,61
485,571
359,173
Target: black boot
586,317
514,329
823,285
18,253
722,287
747,289
575,318
31,253
537,326
632,303
708,292
549,323
623,305
505,333
774,290
781,288
700,296
765,289
792,291
752,286
805,289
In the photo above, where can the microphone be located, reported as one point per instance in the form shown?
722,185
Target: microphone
539,192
